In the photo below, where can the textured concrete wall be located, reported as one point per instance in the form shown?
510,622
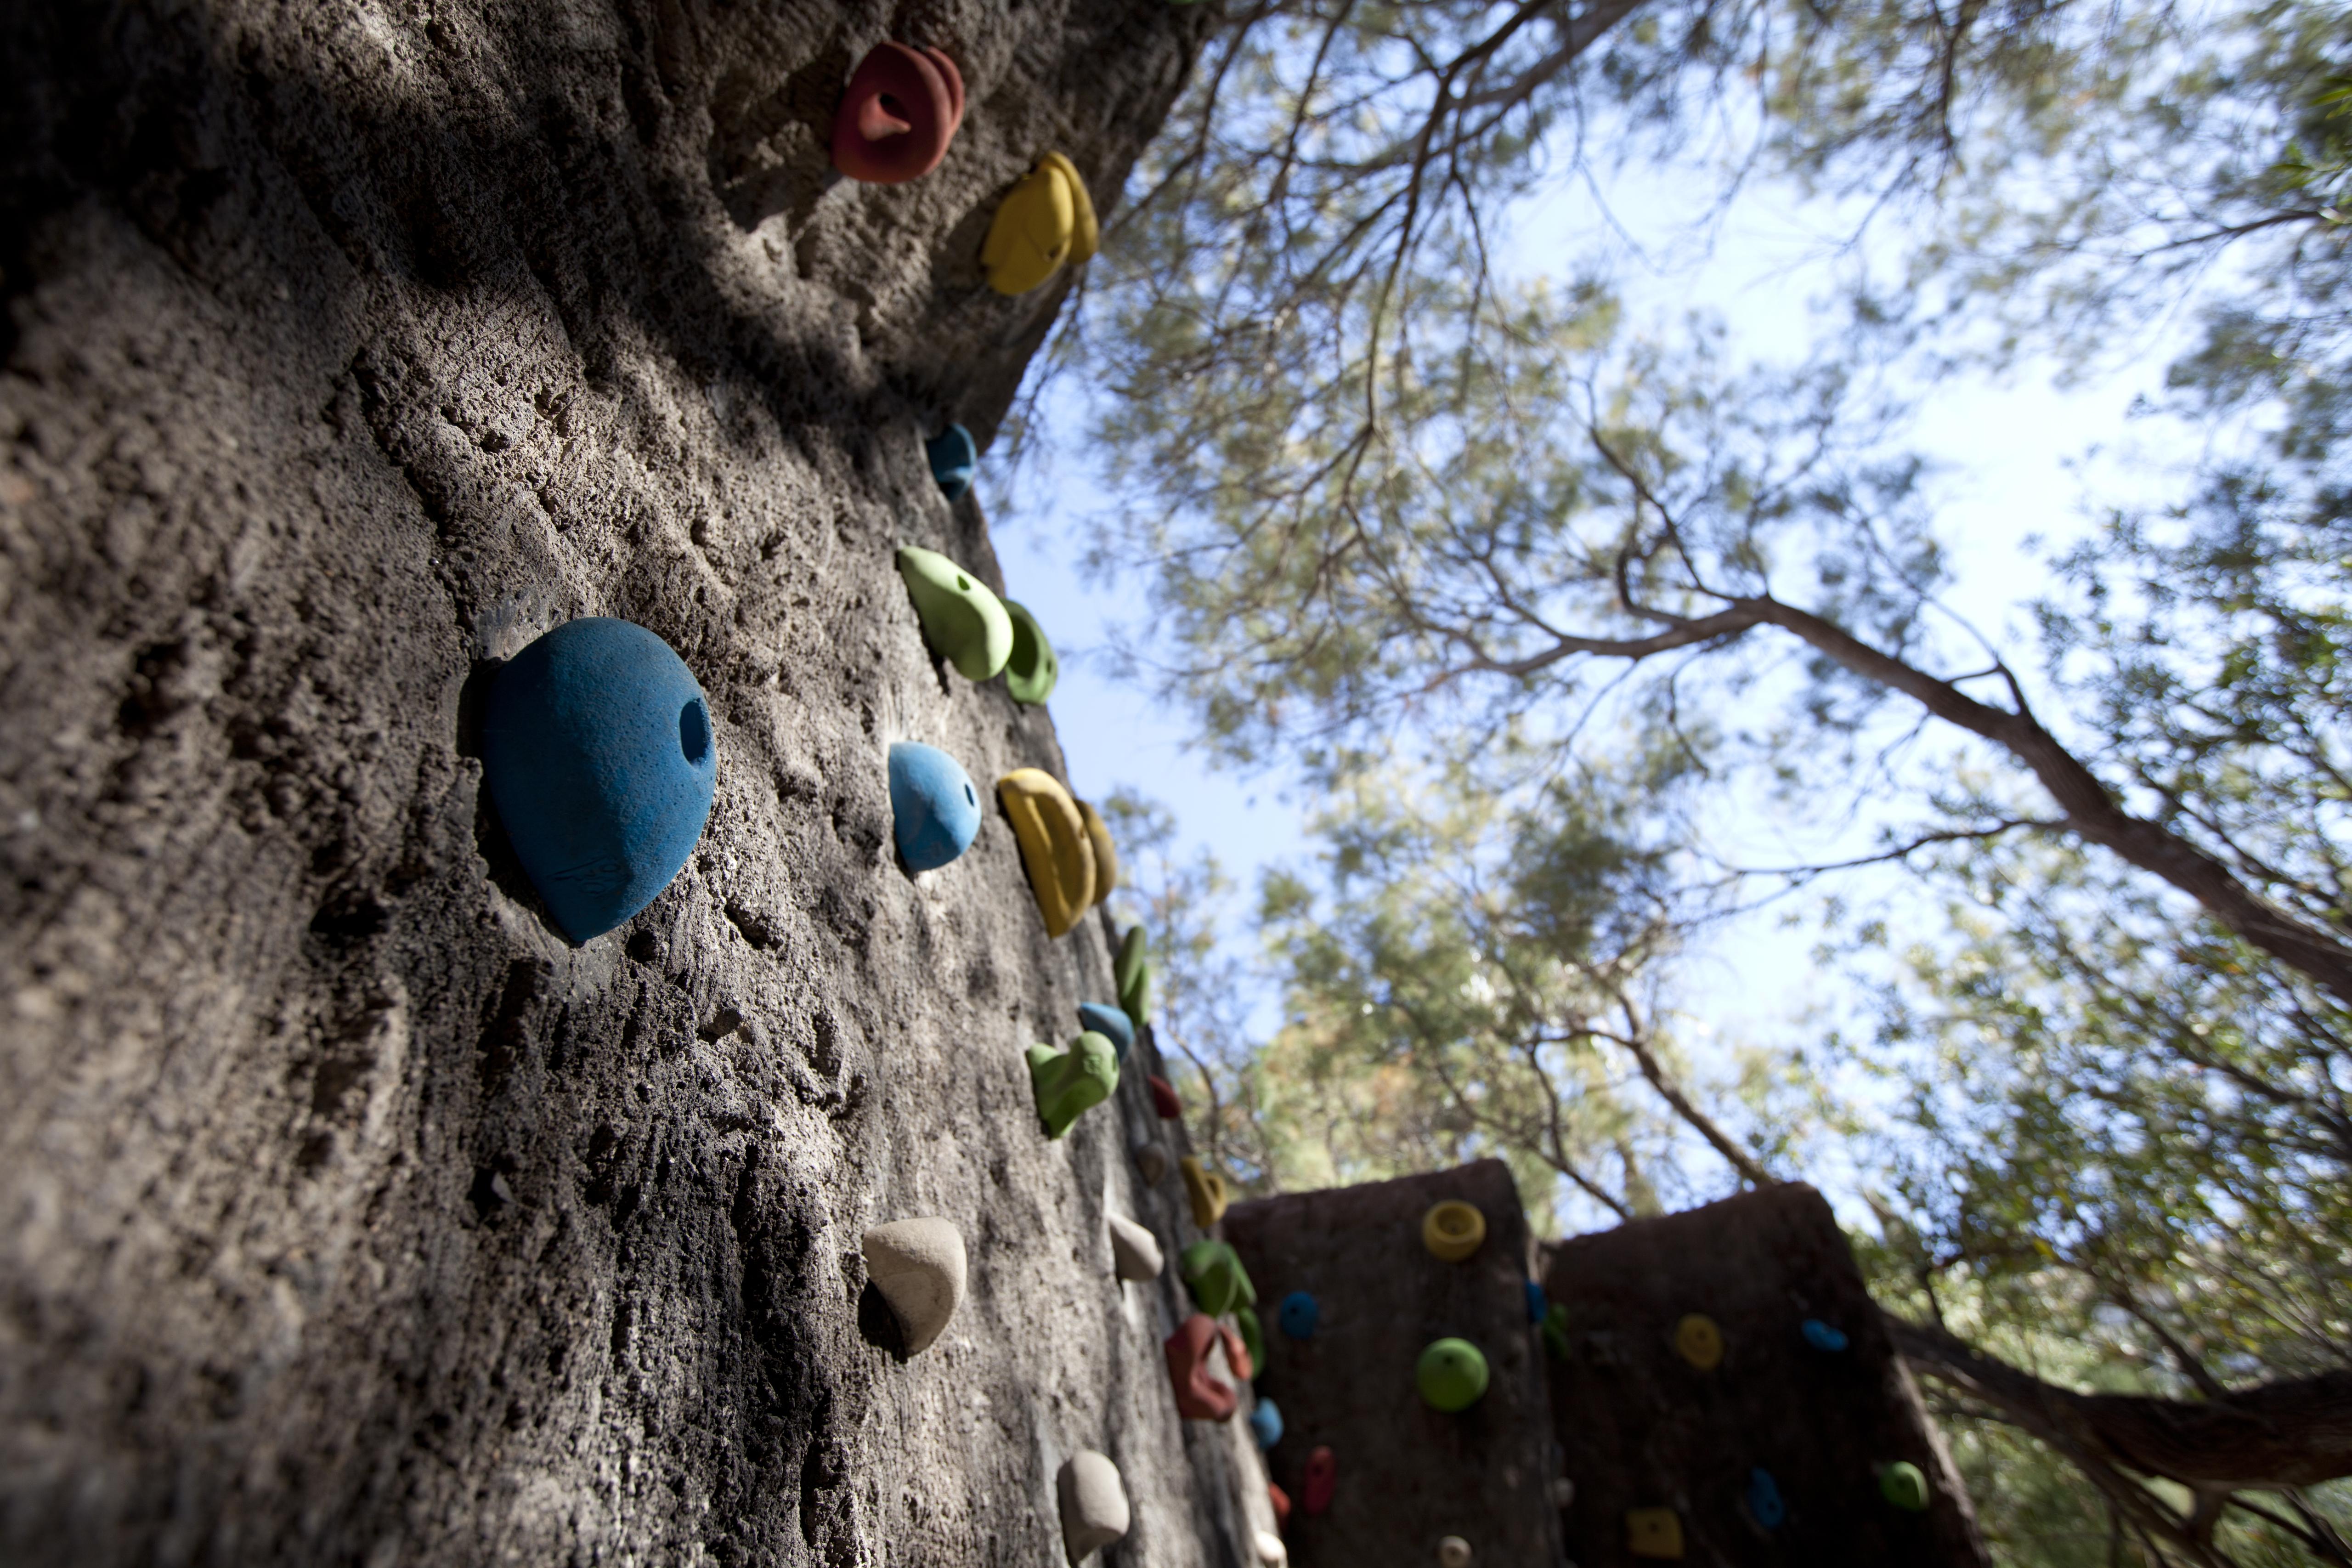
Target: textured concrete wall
1639,1426
350,1215
1407,1475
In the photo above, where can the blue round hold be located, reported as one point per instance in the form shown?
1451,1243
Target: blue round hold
1821,1336
1764,1504
934,810
1111,1023
1536,1302
1266,1424
596,747
1298,1314
953,457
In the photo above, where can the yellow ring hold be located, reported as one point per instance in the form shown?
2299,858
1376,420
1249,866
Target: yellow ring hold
1453,1230
1054,848
1698,1342
1206,1188
1045,220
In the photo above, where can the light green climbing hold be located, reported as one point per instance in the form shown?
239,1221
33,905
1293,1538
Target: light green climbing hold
1213,1272
1901,1484
962,620
1452,1374
1069,1082
1252,1336
1132,970
1032,669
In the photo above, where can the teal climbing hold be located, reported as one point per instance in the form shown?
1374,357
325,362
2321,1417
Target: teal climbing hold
1299,1315
1111,1024
1069,1082
954,457
934,810
1452,1374
1212,1271
1764,1504
1534,1302
1821,1336
1266,1424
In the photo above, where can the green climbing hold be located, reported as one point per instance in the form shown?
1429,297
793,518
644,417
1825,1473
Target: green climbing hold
1252,1336
962,620
1031,670
1901,1484
1212,1271
1132,970
1555,1330
1069,1082
1452,1374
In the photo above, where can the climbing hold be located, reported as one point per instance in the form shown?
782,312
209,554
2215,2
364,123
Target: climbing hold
597,750
1206,1188
1563,1492
1151,1161
962,620
1654,1533
1764,1504
917,1264
934,810
1299,1315
1453,1230
1281,1501
1054,847
1069,1082
953,457
1821,1336
1452,1374
1212,1271
1094,1503
1134,1251
1534,1302
1266,1424
1106,853
1200,1395
1163,1098
1901,1484
1453,1552
1698,1342
1045,220
1271,1552
1322,1480
1555,1330
1110,1022
1237,1354
1031,670
1253,1334
900,111
1132,970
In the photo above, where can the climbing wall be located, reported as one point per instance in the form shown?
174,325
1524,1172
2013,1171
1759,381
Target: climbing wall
353,1214
1646,1429
1405,1476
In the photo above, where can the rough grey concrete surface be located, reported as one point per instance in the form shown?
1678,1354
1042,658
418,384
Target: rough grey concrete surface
347,1214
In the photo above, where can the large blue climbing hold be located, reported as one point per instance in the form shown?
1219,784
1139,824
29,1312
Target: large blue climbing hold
1764,1502
1266,1424
934,810
1298,1314
1110,1023
1536,1303
1821,1336
597,750
953,458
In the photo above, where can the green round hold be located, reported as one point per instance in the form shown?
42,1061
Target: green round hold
1452,1374
1032,671
1902,1484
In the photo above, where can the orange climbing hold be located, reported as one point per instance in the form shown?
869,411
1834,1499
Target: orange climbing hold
900,111
1200,1395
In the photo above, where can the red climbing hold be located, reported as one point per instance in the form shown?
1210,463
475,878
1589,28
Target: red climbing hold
1163,1099
898,115
1237,1354
1281,1500
1322,1480
1199,1395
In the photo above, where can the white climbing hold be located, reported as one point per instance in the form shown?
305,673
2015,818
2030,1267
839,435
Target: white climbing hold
1563,1492
917,1264
1094,1503
1453,1552
1134,1251
1271,1551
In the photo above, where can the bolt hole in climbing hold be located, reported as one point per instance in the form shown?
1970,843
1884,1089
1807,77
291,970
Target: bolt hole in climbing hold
1453,1230
1698,1342
1298,1314
1452,1374
694,731
897,115
1821,1336
963,583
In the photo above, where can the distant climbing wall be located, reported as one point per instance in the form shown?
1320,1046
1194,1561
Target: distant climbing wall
349,1214
1404,1475
1666,1423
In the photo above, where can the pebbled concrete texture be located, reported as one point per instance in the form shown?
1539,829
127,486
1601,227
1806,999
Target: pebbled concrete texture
347,1213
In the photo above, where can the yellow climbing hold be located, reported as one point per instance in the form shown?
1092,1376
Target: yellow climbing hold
1654,1533
1053,844
1105,856
1206,1188
1045,220
1698,1342
1453,1230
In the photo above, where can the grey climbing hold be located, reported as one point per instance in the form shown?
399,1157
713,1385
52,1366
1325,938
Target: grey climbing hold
1151,1161
918,1267
1134,1251
1094,1504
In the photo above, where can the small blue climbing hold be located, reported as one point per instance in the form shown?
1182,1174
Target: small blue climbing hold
1764,1502
1821,1336
597,750
1298,1314
1107,1020
953,457
934,810
1536,1303
1266,1424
